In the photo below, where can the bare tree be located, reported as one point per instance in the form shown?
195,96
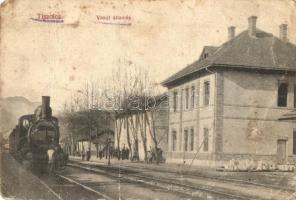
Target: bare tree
123,89
83,105
134,85
125,93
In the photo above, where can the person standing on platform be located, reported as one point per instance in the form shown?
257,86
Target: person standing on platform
127,153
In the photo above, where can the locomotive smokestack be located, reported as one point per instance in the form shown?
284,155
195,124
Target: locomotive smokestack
46,111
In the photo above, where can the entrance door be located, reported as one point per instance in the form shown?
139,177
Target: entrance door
281,151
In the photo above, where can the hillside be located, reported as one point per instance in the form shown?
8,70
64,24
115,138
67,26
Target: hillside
11,108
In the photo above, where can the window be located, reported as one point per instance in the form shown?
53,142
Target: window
294,142
282,94
191,139
185,140
175,101
174,140
187,98
206,139
294,96
206,93
192,96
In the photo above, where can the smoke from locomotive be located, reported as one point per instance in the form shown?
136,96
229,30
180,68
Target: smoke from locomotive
34,142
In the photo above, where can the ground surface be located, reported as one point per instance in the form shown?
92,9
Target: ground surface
18,183
117,189
94,180
254,185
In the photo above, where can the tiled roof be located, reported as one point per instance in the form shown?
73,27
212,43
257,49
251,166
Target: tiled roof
263,51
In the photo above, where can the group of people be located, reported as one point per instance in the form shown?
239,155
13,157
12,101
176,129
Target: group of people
120,154
155,155
85,155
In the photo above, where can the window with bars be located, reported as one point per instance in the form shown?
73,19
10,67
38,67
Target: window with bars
294,142
186,98
206,140
191,139
175,101
294,96
185,140
282,94
192,97
174,140
206,93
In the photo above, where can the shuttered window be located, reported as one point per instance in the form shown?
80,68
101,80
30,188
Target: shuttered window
185,140
192,139
206,93
282,94
175,101
294,142
186,98
174,140
192,97
206,139
294,96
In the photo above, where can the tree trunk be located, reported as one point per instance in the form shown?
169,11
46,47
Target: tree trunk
108,145
134,126
144,136
152,132
128,137
90,125
118,131
155,142
145,150
97,148
136,153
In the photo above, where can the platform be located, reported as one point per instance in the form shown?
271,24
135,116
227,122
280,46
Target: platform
18,183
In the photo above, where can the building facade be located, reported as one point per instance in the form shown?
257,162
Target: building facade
227,104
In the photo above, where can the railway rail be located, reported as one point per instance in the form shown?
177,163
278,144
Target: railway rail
166,183
64,188
106,197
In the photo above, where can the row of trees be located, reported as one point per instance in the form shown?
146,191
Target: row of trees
130,89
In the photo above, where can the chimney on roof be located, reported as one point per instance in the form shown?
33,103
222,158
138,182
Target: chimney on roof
231,32
283,32
252,25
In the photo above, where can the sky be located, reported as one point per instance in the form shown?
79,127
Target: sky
40,58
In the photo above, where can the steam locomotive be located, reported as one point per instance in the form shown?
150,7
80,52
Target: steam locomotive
34,142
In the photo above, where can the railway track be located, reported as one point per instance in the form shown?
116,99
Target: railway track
237,182
169,184
66,188
219,178
106,197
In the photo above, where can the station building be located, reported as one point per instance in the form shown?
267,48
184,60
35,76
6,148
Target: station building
227,104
